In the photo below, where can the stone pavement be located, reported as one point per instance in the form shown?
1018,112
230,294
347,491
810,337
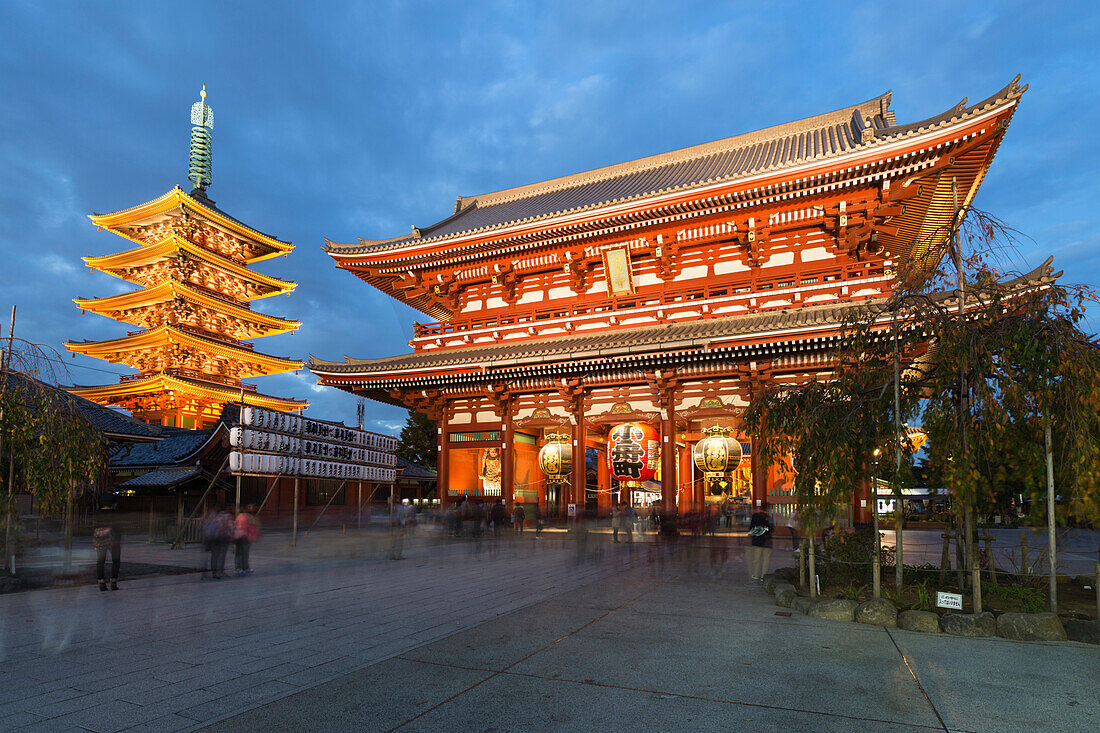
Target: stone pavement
506,635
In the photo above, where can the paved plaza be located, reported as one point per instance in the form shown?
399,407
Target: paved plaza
502,635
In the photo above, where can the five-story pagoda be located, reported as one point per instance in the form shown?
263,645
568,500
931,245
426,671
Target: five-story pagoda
192,304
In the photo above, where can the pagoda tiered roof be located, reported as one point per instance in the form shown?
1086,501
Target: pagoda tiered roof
139,223
160,345
148,307
138,265
168,387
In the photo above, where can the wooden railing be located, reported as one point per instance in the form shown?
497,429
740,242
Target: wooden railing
512,317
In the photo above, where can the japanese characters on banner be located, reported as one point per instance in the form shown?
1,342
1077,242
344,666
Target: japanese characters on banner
633,453
309,448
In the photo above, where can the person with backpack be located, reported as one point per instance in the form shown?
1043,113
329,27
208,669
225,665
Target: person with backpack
760,536
246,532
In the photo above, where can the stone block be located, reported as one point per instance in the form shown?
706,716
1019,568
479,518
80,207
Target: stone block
784,594
1030,627
802,604
924,621
877,612
838,610
770,581
1087,632
969,624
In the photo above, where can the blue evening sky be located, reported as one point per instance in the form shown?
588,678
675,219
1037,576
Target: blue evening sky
354,119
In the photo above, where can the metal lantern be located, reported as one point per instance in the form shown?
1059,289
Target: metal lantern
556,458
716,456
633,453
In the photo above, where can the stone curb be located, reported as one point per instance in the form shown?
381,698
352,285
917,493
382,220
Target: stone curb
1011,625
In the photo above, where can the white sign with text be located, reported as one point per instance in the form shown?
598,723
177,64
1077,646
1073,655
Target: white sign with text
949,600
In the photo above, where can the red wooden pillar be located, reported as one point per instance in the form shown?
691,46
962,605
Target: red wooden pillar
759,474
441,484
603,481
507,455
576,495
668,457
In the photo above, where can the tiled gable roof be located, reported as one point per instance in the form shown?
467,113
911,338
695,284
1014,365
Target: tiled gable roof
783,146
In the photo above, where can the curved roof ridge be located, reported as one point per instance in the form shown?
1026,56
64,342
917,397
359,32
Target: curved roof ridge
871,108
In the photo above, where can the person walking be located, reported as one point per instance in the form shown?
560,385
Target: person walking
792,525
246,532
217,530
616,522
627,518
499,517
107,538
539,522
760,535
518,518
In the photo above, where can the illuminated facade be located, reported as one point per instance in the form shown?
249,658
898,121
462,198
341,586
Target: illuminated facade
192,306
662,292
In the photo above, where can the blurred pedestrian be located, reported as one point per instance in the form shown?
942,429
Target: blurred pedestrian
518,518
627,519
616,522
499,517
217,529
107,538
539,522
246,532
760,534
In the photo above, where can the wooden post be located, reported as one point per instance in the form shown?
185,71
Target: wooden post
813,563
988,539
1052,542
945,556
150,540
359,505
1025,564
802,566
294,520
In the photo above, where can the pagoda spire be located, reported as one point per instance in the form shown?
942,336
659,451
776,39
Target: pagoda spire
201,160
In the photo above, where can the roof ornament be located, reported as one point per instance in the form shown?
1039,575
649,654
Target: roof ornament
200,163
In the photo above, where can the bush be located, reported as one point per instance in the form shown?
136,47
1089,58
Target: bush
1030,600
846,557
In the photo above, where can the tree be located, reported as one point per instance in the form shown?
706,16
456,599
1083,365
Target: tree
46,442
989,361
417,442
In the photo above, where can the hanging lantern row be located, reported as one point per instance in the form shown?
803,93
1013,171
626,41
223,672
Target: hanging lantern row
260,417
556,458
293,466
717,454
257,463
633,453
263,440
337,451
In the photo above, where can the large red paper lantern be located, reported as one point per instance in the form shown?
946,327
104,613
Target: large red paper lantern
633,453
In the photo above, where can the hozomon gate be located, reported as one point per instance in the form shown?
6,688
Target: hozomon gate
661,291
